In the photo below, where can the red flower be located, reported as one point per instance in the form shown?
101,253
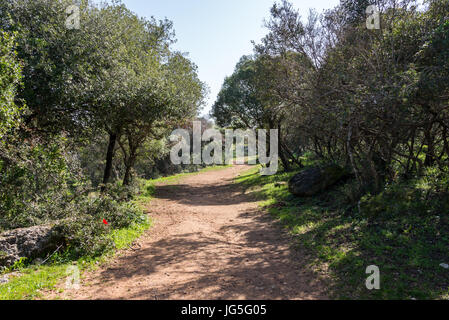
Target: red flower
105,222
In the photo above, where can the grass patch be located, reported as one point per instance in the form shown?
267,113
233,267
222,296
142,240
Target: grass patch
27,281
404,231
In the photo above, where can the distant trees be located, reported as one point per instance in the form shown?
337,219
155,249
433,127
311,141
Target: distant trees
240,103
249,99
173,96
374,100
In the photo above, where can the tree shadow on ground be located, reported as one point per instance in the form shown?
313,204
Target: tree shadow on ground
250,259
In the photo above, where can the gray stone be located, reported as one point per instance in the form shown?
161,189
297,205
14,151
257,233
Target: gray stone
315,180
25,243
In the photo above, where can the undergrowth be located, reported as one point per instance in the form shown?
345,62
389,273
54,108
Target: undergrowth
403,230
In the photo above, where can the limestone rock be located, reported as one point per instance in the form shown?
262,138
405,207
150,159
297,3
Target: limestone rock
25,242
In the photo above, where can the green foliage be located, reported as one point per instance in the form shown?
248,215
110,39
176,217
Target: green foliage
10,77
249,98
372,100
418,197
84,231
53,58
239,103
44,184
114,76
37,183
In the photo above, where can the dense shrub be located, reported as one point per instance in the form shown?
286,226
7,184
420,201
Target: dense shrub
423,196
38,182
86,231
42,183
10,77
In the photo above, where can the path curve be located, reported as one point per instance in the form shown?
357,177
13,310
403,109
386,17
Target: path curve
210,240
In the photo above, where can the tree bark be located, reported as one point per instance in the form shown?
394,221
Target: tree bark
284,159
430,155
109,157
282,155
128,166
127,178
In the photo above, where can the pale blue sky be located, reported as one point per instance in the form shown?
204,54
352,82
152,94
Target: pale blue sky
216,33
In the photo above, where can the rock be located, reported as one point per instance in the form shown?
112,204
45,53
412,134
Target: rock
26,243
314,180
444,265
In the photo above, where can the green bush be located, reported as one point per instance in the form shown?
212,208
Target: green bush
42,183
10,77
38,182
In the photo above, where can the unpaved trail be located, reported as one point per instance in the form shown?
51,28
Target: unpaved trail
210,240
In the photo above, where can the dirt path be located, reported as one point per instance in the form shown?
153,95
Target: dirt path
210,241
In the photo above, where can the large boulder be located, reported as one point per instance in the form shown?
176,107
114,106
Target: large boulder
26,242
315,180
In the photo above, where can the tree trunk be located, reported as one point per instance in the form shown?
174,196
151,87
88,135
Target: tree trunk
282,153
291,156
284,159
351,156
109,157
128,167
127,178
445,143
430,155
